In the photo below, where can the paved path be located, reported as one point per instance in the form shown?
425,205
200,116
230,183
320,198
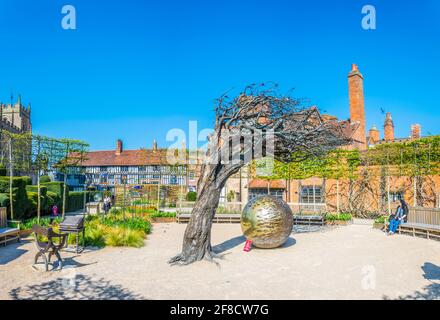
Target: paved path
351,262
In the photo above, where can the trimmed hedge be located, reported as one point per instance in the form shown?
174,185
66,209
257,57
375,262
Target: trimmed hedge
2,170
19,195
191,196
4,200
44,179
56,187
25,197
75,201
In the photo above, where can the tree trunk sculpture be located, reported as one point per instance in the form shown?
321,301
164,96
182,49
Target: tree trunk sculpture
256,123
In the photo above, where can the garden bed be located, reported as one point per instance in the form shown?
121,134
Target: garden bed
163,219
111,230
377,225
338,219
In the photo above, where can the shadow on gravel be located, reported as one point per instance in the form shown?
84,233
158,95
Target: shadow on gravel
429,292
73,286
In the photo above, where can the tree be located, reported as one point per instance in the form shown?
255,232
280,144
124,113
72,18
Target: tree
26,153
69,155
256,123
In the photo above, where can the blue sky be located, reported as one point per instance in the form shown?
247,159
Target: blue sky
135,69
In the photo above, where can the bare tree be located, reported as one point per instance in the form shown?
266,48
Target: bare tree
256,123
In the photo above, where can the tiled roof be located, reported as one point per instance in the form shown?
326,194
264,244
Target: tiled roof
262,184
127,158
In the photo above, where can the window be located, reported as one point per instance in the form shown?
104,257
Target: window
311,194
124,169
396,196
103,169
142,169
256,192
192,175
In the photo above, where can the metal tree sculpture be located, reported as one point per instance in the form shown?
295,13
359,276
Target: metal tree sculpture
256,123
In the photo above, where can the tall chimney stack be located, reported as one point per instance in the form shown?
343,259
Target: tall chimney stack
154,145
357,107
416,131
388,128
118,150
374,135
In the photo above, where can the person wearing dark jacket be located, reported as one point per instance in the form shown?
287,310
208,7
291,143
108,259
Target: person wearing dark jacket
400,216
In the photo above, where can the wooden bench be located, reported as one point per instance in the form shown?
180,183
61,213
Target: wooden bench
420,229
218,218
7,233
422,222
306,219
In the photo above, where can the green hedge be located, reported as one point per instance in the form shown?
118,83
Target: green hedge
2,170
44,179
75,201
25,197
4,200
56,187
19,195
191,196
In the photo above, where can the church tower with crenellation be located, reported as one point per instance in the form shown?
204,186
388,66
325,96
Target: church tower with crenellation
15,117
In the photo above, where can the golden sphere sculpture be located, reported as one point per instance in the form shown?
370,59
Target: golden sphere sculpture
267,221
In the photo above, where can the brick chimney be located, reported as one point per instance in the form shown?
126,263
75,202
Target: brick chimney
357,107
388,128
416,131
118,150
374,135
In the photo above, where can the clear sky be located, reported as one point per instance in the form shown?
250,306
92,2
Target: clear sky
135,69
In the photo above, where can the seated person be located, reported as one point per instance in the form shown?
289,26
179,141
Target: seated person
400,216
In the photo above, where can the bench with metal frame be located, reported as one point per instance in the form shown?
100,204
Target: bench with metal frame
7,233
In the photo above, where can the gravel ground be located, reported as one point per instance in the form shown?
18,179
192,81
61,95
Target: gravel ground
347,262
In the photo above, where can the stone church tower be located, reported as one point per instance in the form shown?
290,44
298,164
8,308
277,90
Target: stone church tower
16,117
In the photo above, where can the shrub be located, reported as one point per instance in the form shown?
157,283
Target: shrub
339,217
45,179
95,235
56,187
163,214
115,210
137,223
33,201
381,219
19,195
2,170
4,200
44,222
121,237
75,201
191,196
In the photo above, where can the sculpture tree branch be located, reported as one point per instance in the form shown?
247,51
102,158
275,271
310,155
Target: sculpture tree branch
256,123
